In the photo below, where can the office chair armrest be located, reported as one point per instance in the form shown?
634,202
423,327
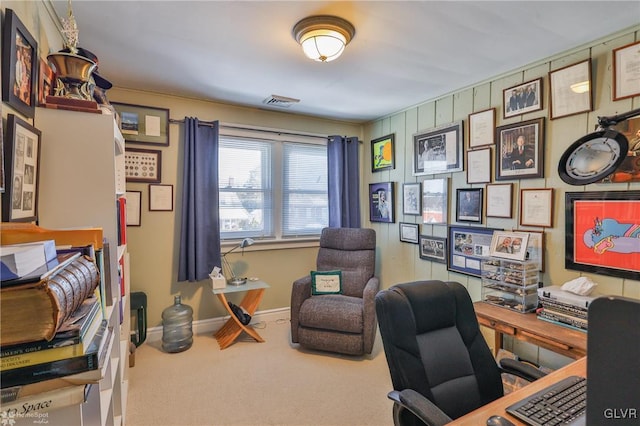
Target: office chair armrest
521,369
421,407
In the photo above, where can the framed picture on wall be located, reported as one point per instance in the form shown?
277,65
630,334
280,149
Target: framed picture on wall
435,201
536,207
409,232
381,199
602,233
143,165
382,153
433,248
479,165
411,198
570,90
626,83
469,245
482,127
520,151
438,150
19,65
134,208
469,204
143,124
523,98
499,200
22,154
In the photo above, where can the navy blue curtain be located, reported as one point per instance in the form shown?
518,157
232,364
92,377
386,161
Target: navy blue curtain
200,227
344,182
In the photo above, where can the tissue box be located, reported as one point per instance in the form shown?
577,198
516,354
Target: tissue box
218,281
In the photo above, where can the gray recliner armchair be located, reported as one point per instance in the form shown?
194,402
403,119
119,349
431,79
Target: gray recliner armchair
346,322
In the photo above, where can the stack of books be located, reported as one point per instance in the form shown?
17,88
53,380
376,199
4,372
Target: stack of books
54,338
563,308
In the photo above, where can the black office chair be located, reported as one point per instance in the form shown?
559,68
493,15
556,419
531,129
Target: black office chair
441,367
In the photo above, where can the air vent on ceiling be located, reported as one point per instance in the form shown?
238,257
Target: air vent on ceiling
280,101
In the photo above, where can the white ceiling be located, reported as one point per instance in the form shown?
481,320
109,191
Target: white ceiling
403,53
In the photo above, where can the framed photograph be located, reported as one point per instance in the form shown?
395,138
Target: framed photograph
520,151
143,165
469,205
570,90
479,165
143,125
509,245
499,200
626,74
438,150
602,234
469,246
482,126
383,153
411,197
134,208
536,207
435,201
381,202
523,98
45,82
22,154
409,232
433,248
535,247
19,65
161,198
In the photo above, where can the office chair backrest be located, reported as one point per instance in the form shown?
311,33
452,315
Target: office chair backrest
613,362
433,345
352,251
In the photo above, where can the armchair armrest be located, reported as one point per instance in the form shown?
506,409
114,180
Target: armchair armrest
419,406
300,291
521,369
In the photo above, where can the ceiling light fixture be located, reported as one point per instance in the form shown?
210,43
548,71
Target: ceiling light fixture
323,37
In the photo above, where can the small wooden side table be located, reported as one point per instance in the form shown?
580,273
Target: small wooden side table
233,327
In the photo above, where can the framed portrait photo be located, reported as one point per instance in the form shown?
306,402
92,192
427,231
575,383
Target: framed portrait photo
469,204
411,197
433,248
469,245
520,150
22,156
602,233
626,76
409,232
438,150
19,65
509,245
143,165
570,90
383,153
435,201
523,98
143,125
45,82
482,126
381,202
536,207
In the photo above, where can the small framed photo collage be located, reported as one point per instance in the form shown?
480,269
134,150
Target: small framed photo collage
148,128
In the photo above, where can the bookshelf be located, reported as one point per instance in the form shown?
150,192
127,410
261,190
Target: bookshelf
81,179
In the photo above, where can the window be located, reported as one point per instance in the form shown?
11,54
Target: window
272,189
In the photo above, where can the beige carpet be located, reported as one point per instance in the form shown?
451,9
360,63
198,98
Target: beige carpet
250,383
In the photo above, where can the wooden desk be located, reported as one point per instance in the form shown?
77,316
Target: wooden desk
479,417
233,327
528,328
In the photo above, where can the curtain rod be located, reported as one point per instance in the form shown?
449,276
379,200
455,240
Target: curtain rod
230,126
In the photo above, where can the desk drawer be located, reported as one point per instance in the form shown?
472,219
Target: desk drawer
496,325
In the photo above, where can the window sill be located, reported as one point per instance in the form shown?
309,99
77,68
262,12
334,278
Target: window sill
263,245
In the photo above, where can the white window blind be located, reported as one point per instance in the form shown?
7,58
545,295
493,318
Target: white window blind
271,189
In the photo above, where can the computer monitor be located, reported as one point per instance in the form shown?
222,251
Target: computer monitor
613,362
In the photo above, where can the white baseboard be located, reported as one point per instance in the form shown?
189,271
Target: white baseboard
211,325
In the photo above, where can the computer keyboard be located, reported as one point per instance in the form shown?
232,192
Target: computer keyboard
563,403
